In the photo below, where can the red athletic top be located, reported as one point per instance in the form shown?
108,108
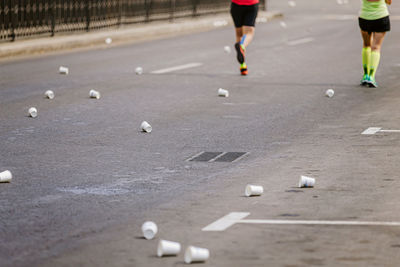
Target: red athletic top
245,2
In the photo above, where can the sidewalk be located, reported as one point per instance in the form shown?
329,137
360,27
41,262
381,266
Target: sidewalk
126,34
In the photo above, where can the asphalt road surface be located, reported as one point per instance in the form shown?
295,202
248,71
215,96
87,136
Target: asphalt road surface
86,178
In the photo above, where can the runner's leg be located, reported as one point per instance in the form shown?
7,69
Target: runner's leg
377,40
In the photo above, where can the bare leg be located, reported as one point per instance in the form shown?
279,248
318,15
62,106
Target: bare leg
377,40
249,32
367,38
239,34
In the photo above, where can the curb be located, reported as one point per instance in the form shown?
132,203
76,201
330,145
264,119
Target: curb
124,35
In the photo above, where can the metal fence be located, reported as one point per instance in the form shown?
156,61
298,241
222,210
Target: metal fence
30,18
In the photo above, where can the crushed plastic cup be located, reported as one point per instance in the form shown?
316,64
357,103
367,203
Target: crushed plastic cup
33,112
94,94
292,3
49,94
306,181
5,176
223,92
329,93
227,49
146,127
168,248
196,254
139,70
149,230
253,190
283,24
108,41
63,70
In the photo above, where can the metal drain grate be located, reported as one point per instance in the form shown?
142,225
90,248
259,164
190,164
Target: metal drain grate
218,156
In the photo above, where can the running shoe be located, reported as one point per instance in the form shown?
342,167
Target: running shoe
239,53
372,82
243,71
364,80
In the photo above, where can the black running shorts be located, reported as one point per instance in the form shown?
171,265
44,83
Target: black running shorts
377,25
244,15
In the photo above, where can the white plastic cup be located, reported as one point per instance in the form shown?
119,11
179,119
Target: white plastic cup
306,181
146,127
292,3
168,248
94,94
195,254
63,70
49,94
223,92
139,70
227,49
283,24
329,93
33,112
108,41
5,177
253,190
149,230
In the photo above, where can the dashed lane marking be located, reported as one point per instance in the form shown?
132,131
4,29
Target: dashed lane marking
238,217
374,130
180,67
301,41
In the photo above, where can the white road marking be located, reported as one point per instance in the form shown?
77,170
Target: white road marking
220,155
180,67
301,41
198,154
374,130
226,221
371,130
237,217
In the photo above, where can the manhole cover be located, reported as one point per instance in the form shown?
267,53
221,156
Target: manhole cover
218,156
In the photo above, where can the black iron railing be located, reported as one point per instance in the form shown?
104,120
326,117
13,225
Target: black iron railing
30,18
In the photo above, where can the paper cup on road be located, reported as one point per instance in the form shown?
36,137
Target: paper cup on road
146,127
223,92
168,248
306,181
33,112
195,254
5,177
108,40
253,190
149,230
94,94
63,70
227,49
139,70
283,24
49,94
329,93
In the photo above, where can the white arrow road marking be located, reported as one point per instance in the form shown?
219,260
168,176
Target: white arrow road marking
374,130
237,217
180,67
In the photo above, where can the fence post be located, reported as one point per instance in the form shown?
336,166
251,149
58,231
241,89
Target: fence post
194,2
172,10
13,17
53,7
88,6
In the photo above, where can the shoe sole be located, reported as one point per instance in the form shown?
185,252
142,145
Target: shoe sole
239,53
372,85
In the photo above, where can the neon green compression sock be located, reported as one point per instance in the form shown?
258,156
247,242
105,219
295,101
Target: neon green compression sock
243,66
375,57
366,59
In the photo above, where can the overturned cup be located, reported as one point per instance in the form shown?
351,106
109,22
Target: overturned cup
195,254
5,177
227,49
306,181
63,70
33,112
49,94
108,40
139,70
253,190
223,92
329,93
149,230
168,248
94,94
146,127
